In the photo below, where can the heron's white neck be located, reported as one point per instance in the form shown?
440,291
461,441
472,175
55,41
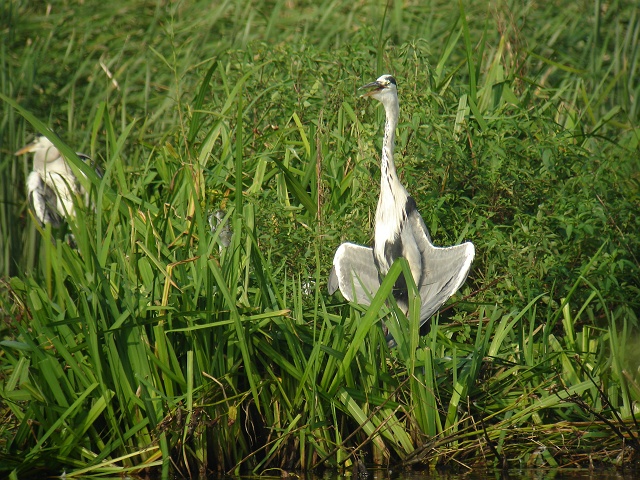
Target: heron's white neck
49,161
393,195
387,165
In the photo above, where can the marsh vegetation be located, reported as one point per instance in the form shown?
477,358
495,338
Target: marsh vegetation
146,346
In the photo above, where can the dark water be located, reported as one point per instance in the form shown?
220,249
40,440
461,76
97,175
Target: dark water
527,474
524,474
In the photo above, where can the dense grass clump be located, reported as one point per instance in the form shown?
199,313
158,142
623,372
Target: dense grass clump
148,342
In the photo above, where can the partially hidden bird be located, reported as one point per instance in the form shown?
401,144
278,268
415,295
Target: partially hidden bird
217,223
51,185
399,231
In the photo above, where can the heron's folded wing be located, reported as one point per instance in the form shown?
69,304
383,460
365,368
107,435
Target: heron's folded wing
92,163
443,269
355,273
43,200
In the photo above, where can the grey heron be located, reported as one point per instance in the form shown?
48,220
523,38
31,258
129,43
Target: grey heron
51,185
399,232
216,219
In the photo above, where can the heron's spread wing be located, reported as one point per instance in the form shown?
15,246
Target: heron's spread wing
355,273
443,269
43,200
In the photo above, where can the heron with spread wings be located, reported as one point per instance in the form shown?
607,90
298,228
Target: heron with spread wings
399,232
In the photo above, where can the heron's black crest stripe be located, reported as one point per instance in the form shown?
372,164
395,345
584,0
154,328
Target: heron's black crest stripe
391,79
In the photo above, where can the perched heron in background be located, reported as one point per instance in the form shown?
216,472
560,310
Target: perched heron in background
52,185
215,223
399,232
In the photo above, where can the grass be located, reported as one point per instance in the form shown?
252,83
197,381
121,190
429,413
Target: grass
148,346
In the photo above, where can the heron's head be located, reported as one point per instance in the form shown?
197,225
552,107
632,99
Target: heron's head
383,89
43,149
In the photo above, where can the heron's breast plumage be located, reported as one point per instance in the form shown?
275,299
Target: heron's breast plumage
53,166
390,220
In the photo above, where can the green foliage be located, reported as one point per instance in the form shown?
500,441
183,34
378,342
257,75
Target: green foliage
150,344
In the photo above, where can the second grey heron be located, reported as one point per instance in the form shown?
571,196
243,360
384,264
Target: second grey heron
399,232
51,185
216,219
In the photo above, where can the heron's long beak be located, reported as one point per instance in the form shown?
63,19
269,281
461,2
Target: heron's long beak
26,149
374,86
